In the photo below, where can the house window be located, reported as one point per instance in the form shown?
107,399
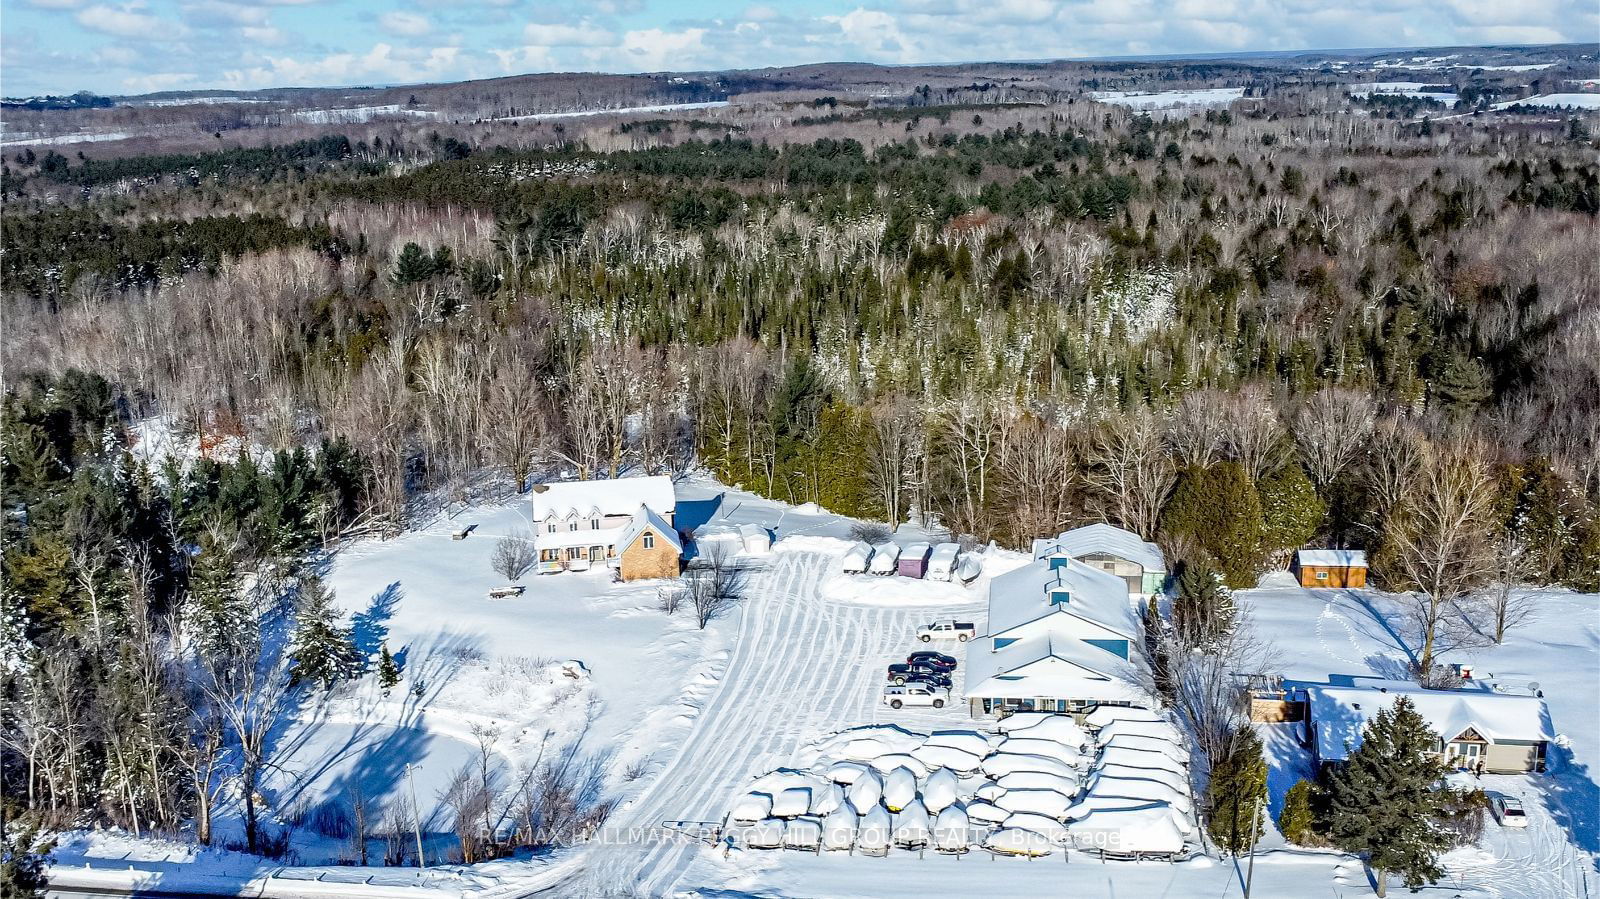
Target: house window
649,541
552,527
573,526
594,524
1322,575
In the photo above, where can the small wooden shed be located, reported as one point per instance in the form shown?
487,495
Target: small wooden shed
914,560
1331,567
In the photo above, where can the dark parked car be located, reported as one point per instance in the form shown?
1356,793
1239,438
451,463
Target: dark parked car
940,681
901,674
938,661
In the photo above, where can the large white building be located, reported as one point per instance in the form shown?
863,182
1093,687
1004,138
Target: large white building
621,521
1111,549
1062,636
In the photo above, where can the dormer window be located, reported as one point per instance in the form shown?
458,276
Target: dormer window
573,526
594,524
1060,596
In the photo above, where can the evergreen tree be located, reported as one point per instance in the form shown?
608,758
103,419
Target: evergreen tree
388,670
321,650
1219,508
24,862
1382,802
1203,609
1237,793
1291,511
1296,821
414,265
217,614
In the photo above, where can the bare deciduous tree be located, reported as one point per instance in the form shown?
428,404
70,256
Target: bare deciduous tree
1198,433
514,554
1512,565
1440,542
713,584
1332,430
890,454
1128,466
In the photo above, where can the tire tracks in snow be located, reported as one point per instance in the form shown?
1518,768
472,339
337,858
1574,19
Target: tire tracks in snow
802,667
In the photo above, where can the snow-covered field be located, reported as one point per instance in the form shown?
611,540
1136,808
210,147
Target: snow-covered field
1413,89
1215,96
684,721
1556,101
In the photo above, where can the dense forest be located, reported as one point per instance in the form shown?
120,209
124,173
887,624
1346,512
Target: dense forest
1237,332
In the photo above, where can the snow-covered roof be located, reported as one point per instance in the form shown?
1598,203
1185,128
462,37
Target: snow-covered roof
564,539
646,517
1054,667
1334,558
1340,714
614,496
1102,538
1025,595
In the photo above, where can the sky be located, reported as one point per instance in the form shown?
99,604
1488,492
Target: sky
140,46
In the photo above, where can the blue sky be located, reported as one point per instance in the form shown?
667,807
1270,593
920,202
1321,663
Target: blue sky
135,46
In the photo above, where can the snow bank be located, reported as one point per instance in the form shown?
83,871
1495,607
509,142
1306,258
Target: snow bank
810,543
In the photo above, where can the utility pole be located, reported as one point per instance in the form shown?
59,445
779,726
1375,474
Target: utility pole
416,815
1250,869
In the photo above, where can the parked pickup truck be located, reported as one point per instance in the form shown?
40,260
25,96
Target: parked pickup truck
947,629
915,694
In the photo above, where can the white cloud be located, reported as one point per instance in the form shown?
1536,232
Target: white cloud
129,22
404,24
218,14
654,49
160,81
264,34
582,34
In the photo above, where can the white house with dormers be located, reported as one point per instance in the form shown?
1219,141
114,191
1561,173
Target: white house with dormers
1062,636
577,524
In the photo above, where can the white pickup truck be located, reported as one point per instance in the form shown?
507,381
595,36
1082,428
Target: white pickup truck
947,629
915,694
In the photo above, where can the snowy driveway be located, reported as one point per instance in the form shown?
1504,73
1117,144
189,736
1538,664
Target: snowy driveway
802,667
